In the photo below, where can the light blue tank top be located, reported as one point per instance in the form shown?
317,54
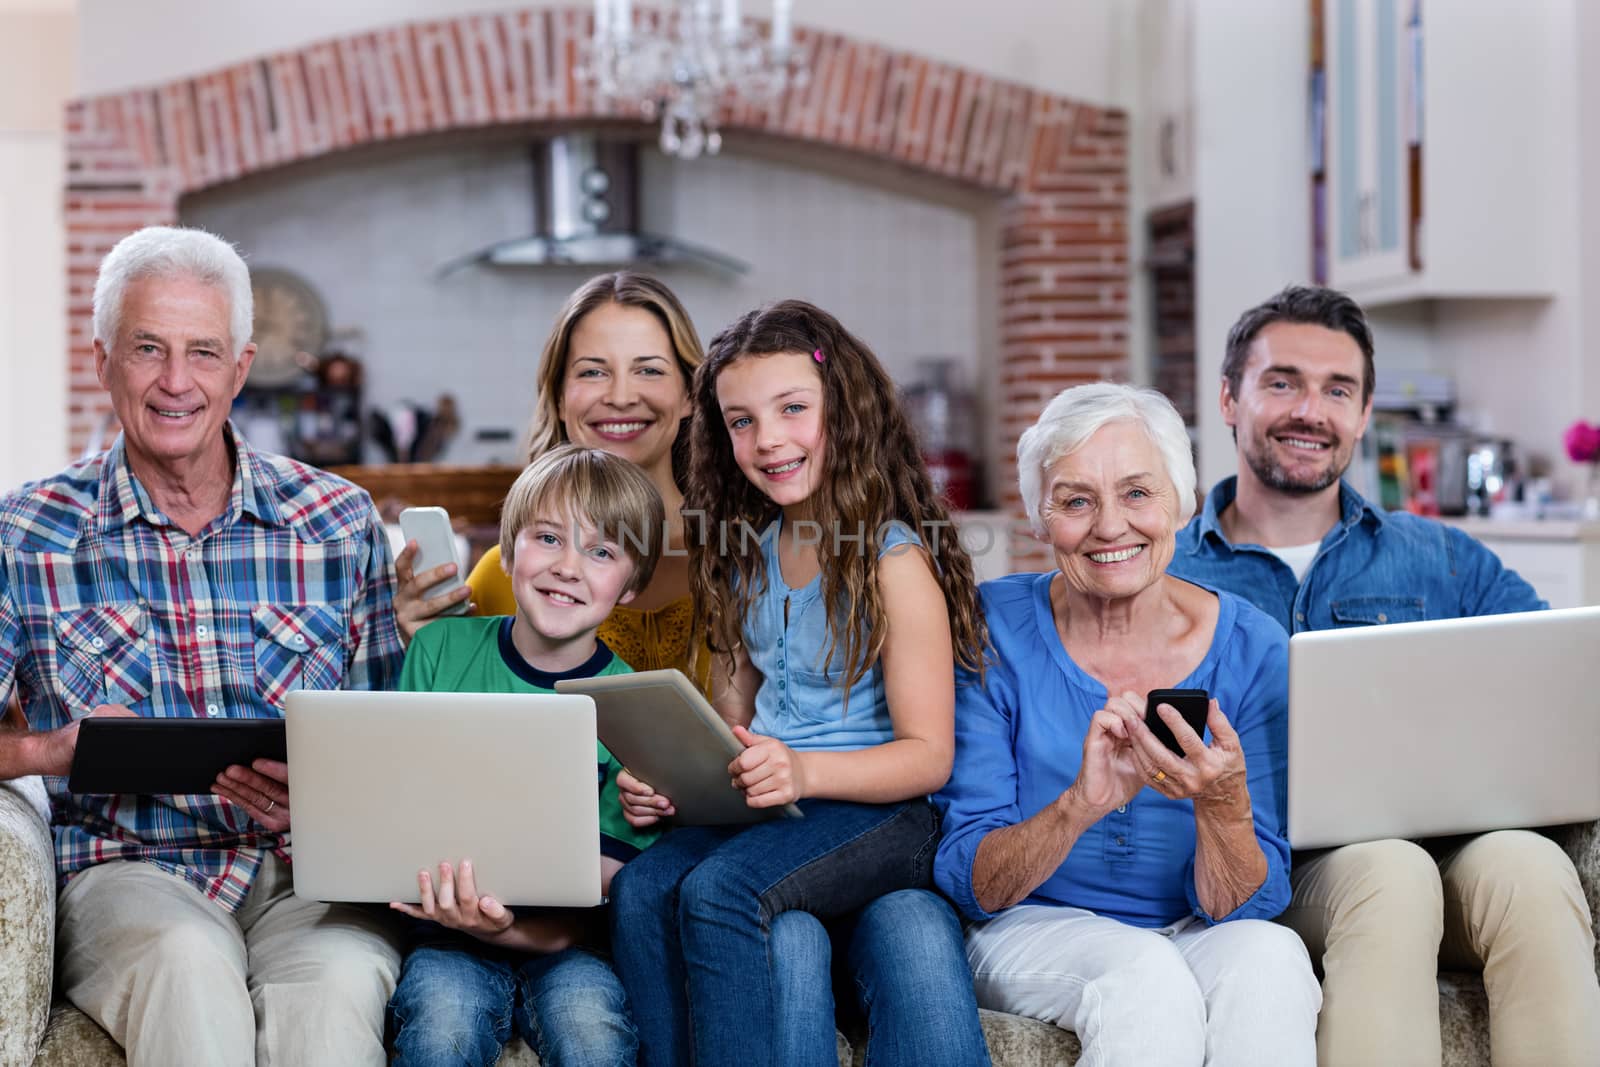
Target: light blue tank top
798,702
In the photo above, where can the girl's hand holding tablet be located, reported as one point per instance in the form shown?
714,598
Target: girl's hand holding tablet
769,771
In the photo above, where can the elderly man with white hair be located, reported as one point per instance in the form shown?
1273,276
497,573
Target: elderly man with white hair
1117,889
183,575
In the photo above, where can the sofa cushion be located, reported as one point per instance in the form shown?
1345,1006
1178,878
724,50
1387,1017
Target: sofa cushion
1463,1019
72,1040
75,1040
27,917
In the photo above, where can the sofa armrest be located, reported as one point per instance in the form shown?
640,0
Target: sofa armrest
27,918
1582,844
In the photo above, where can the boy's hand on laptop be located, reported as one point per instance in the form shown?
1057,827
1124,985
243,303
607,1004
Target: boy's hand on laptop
455,903
641,805
769,771
262,789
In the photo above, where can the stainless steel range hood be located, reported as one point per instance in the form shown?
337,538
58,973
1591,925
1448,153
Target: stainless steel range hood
587,211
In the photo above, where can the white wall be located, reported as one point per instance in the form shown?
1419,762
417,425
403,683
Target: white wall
1252,222
1163,153
36,48
899,269
1523,368
1586,345
1059,45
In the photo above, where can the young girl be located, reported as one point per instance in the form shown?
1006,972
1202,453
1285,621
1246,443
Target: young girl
838,601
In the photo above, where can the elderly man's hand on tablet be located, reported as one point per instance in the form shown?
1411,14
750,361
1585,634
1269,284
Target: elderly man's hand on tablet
262,789
54,749
641,805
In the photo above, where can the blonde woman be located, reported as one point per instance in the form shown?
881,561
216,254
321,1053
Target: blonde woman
614,376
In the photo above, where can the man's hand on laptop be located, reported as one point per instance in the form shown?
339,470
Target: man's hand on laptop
262,789
55,748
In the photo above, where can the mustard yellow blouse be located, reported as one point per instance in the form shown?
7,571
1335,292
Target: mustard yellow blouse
644,640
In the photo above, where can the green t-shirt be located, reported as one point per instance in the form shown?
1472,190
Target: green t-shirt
475,655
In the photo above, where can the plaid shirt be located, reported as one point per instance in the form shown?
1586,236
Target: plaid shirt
103,600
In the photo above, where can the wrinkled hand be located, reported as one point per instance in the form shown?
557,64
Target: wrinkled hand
456,904
769,771
1110,774
261,789
1206,774
412,610
57,747
641,805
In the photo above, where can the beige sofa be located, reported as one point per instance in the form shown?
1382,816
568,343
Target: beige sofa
39,1030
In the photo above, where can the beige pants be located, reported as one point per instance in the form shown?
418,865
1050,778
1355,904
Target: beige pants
1383,916
177,979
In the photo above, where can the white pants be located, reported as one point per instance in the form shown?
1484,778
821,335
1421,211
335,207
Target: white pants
176,979
1241,992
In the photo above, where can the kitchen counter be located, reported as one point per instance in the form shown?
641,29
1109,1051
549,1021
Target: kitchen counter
1506,529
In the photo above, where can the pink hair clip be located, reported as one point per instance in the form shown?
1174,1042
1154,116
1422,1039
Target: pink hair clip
818,356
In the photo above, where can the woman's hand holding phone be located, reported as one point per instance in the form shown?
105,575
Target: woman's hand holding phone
1110,774
422,595
1211,774
1193,704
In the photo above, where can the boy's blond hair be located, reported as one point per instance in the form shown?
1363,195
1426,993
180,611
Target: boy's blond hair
585,484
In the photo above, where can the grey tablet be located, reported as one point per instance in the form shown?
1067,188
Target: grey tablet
660,728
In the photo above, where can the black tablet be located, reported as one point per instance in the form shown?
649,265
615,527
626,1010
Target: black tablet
119,755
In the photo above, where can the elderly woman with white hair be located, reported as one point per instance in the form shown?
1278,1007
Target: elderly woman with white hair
1118,889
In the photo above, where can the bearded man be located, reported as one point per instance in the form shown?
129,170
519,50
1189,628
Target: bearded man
1289,535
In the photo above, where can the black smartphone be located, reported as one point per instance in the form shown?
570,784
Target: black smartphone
1192,704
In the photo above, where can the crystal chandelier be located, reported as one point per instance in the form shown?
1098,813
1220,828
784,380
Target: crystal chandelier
699,60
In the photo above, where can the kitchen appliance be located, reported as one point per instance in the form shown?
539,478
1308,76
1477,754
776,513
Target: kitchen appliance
586,207
1438,457
945,417
1491,473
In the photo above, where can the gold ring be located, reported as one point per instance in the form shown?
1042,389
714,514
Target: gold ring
1160,776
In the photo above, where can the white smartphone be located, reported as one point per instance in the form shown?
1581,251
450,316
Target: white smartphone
436,543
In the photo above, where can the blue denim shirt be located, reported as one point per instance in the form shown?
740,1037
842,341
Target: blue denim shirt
1373,566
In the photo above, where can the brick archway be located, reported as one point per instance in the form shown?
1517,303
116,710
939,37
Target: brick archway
1058,165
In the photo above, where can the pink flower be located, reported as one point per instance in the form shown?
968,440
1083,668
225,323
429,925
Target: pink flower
1583,442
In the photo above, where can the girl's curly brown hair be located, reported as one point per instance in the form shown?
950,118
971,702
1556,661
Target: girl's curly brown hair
872,474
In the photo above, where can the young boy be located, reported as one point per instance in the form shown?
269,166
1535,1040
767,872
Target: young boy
580,533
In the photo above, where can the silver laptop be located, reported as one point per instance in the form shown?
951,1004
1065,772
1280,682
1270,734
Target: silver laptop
1431,728
383,785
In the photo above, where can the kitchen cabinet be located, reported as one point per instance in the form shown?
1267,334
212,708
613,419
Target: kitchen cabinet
1436,146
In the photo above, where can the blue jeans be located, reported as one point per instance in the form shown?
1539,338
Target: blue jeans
906,972
691,918
455,1006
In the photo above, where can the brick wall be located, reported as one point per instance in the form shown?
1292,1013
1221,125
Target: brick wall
1059,167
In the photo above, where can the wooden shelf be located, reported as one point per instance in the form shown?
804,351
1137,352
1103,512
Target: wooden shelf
472,494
